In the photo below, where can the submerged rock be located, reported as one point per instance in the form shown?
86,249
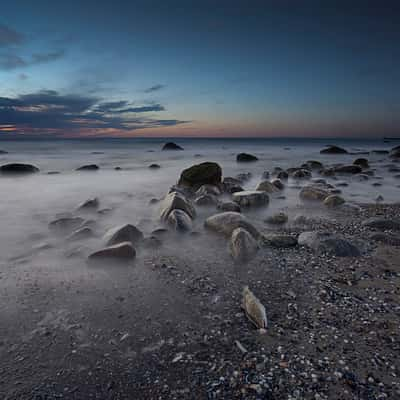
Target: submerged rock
243,246
154,166
382,223
253,309
334,201
251,198
279,240
171,146
179,221
176,201
226,222
362,162
207,173
266,186
90,204
277,219
313,193
120,251
348,169
125,233
333,150
18,168
88,167
229,206
245,157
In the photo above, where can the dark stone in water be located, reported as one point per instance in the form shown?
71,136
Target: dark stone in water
88,167
348,169
17,168
333,150
245,157
362,162
172,146
3,152
154,166
201,174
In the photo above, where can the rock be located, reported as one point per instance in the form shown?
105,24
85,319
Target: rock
171,146
244,176
90,204
207,173
124,233
206,200
243,246
361,177
160,232
229,206
266,186
88,167
301,220
3,152
277,219
324,242
313,193
176,201
208,189
154,166
245,157
65,224
327,172
279,240
299,173
333,150
382,152
382,224
253,309
53,173
226,222
179,221
362,162
120,251
333,201
251,198
313,164
17,168
348,169
80,234
154,201
386,238
266,175
395,152
342,184
231,185
278,184
283,175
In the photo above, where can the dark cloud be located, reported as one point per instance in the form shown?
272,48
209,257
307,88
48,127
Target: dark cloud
11,60
47,57
60,114
9,36
154,88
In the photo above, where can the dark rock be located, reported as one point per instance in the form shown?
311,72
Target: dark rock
301,174
17,168
229,206
201,174
120,251
124,233
154,166
226,222
179,221
348,169
251,198
333,150
172,146
278,184
283,175
380,152
362,162
395,152
3,152
313,164
245,157
176,201
243,246
53,173
386,238
88,167
279,240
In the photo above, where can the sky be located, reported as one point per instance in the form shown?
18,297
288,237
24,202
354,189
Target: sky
216,68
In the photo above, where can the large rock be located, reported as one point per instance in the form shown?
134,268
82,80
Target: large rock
313,193
121,251
395,152
279,240
17,168
251,198
171,146
362,162
232,185
208,189
324,242
229,206
245,157
348,169
333,150
243,246
266,186
176,201
313,164
124,233
207,173
226,222
333,201
88,167
206,200
382,224
179,221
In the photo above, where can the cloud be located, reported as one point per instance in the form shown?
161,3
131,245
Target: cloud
9,36
47,57
53,113
154,88
11,61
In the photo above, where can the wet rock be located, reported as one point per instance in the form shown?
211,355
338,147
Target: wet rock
125,233
81,234
171,146
244,176
208,189
232,185
395,152
160,232
348,169
277,219
65,224
301,174
226,222
362,162
283,175
278,184
206,200
176,201
382,152
209,173
245,157
329,172
120,251
266,175
382,224
266,186
154,201
90,204
18,169
88,167
341,184
243,246
301,220
179,221
229,206
386,238
154,166
333,150
3,152
279,240
251,198
253,309
313,164
333,201
313,193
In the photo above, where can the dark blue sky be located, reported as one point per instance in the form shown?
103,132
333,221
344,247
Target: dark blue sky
209,68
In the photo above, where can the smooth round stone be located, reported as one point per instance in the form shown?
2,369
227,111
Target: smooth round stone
251,198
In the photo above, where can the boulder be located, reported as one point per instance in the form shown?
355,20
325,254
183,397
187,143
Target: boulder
251,198
208,189
333,150
362,162
313,164
120,251
125,233
333,201
382,224
226,222
245,157
176,201
266,186
282,175
277,219
65,224
279,240
206,200
207,173
229,206
301,174
348,169
90,204
171,146
278,184
18,169
232,185
88,167
243,247
179,221
313,193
